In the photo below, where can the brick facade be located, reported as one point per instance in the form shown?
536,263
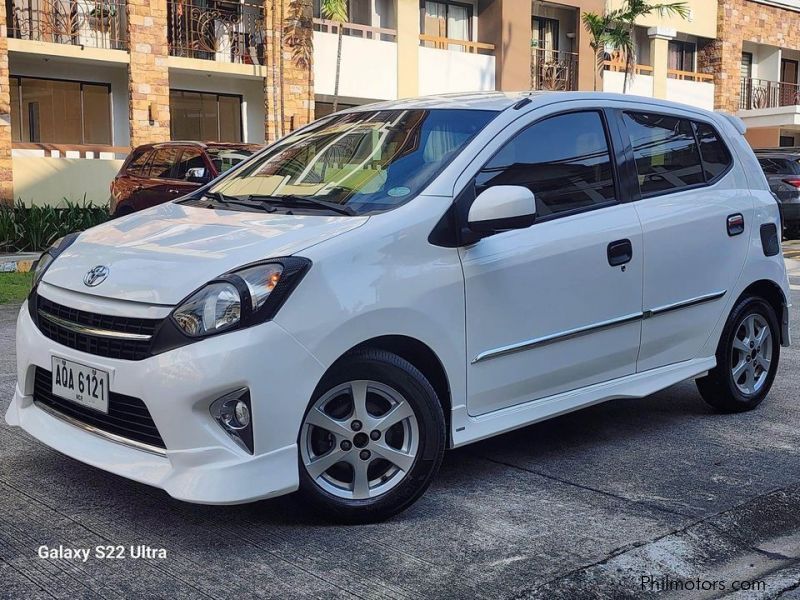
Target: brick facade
148,74
6,187
739,21
289,84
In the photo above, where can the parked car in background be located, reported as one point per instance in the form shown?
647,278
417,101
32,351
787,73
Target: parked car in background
157,173
782,168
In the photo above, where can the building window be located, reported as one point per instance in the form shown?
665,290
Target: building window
682,56
54,111
448,20
206,117
545,33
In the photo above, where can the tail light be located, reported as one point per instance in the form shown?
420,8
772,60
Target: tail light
793,181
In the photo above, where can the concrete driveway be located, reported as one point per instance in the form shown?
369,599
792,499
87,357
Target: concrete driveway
585,505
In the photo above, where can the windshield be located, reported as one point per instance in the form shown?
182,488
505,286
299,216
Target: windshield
368,161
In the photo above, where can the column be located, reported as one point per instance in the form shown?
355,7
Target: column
507,25
659,57
408,18
723,57
6,184
289,81
148,73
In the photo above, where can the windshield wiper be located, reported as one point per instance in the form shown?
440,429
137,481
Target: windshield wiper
221,198
290,200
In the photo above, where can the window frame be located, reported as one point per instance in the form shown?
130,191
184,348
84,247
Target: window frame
447,3
635,187
619,193
81,83
218,95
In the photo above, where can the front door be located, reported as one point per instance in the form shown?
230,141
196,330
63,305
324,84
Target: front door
554,307
789,95
695,243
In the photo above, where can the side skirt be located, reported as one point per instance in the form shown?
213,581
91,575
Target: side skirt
466,429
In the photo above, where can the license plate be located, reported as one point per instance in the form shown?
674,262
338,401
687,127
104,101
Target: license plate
80,384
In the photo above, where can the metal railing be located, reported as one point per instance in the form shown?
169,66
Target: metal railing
220,30
443,43
87,23
554,70
355,30
762,93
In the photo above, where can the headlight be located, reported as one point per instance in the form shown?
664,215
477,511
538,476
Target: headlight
49,255
240,298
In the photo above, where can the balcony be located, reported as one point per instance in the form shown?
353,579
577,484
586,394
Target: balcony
219,30
554,70
454,65
85,23
757,94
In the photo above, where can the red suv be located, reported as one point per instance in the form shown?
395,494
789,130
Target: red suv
156,173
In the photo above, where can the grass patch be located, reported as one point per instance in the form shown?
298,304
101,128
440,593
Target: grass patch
14,287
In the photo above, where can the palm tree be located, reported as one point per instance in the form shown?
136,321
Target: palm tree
336,10
626,17
597,26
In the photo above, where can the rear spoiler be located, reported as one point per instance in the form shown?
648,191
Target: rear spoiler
737,123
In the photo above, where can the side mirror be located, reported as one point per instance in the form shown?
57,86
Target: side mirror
501,208
197,175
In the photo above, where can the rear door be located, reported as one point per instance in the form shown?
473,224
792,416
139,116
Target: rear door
696,212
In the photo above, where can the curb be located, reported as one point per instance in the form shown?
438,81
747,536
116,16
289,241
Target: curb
18,263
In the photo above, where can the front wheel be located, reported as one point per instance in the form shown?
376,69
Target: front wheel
372,438
747,358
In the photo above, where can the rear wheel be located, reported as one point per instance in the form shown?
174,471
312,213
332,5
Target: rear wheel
747,358
372,438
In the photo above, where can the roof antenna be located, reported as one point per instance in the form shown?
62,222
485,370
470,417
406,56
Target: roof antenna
524,102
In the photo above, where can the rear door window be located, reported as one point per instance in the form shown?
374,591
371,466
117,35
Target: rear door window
164,160
191,158
666,153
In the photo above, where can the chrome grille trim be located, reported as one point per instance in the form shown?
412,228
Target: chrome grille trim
87,330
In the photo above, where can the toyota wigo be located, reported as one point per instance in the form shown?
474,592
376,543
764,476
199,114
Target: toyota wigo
397,279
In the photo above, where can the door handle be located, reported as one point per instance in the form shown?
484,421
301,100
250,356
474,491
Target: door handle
620,253
735,224
174,191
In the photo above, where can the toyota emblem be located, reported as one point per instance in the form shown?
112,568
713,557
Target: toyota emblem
96,275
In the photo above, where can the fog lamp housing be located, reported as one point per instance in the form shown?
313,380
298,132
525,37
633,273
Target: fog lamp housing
233,413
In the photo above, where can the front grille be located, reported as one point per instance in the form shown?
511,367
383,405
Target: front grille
127,417
109,347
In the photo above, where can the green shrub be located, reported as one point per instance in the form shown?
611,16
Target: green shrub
33,228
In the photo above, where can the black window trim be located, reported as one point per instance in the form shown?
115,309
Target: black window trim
637,194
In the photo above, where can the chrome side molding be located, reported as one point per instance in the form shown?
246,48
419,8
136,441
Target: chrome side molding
88,330
572,333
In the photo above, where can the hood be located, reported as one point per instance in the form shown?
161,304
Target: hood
161,255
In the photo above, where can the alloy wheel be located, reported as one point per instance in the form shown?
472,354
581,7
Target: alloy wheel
752,354
359,440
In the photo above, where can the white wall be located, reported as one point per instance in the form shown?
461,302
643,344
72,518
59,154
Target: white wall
114,74
368,67
251,90
443,71
695,93
766,61
638,85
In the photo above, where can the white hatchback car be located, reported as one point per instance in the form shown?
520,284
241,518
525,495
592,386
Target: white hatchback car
400,278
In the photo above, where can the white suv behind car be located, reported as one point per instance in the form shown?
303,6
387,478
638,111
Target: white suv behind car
401,278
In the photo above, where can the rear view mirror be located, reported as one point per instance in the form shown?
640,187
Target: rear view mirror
197,175
501,208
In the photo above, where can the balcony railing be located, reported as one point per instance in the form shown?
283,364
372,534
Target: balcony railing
618,66
220,30
554,70
356,30
87,23
690,76
761,93
443,43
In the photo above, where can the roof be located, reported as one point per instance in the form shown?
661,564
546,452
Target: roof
498,101
777,151
231,145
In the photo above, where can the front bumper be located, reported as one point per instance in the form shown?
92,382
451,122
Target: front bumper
202,463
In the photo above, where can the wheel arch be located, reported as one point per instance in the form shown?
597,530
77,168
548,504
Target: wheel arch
423,358
773,294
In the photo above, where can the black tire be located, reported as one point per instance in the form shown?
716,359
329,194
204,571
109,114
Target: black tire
719,388
401,376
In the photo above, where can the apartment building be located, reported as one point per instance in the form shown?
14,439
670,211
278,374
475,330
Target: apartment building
756,67
669,51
